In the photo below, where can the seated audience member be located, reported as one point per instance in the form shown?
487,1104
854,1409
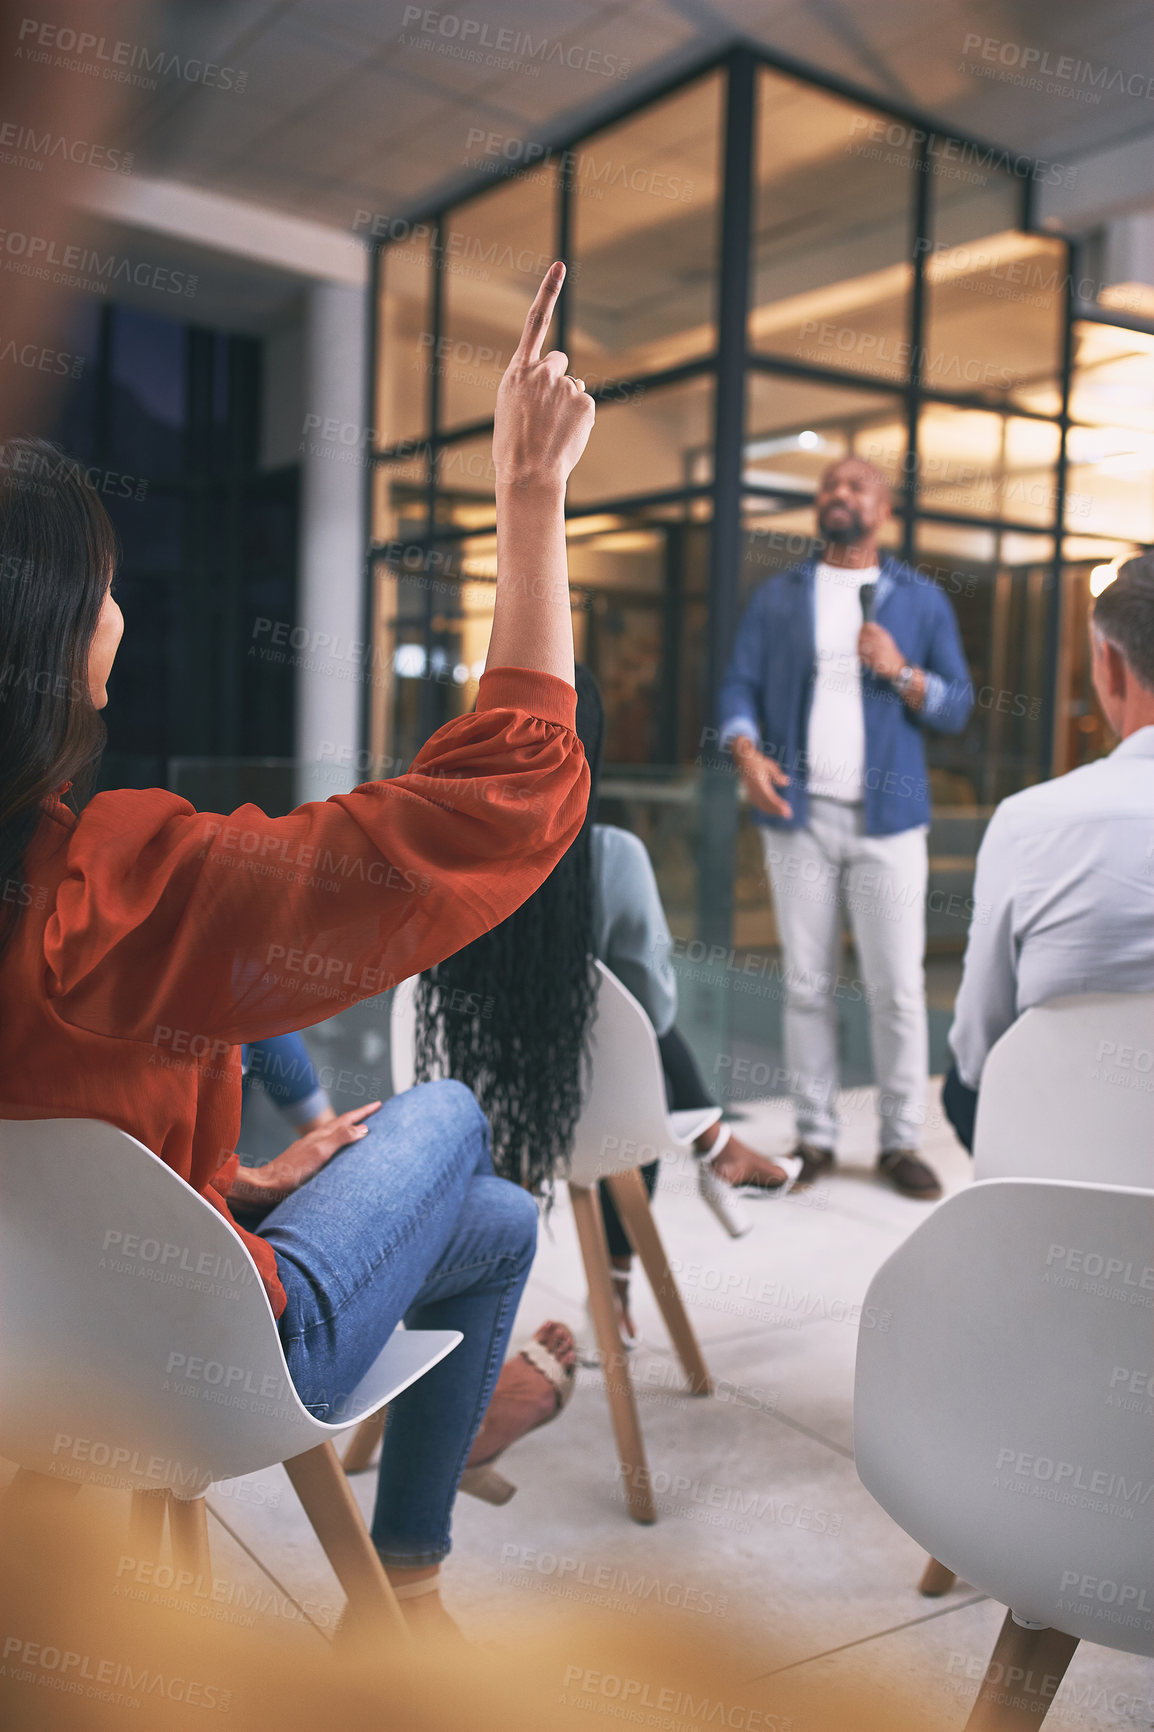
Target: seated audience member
135,921
529,992
1064,889
286,1073
533,1387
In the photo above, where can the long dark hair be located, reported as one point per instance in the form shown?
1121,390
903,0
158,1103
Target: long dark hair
511,1013
57,556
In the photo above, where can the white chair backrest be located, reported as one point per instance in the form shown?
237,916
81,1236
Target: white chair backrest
624,1119
137,1342
1068,1093
1002,1410
403,1035
624,1122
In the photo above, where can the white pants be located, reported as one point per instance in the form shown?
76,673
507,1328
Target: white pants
881,882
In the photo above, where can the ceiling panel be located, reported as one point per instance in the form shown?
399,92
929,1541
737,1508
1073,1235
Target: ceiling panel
348,102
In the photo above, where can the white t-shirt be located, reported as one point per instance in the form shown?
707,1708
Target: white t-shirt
836,744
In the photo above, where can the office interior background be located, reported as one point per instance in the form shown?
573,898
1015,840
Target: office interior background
792,233
794,230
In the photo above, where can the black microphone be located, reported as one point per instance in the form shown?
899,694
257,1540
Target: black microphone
867,592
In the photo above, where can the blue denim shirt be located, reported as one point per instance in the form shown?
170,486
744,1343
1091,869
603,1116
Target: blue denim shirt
768,691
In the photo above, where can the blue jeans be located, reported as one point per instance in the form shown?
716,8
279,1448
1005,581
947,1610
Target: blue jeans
409,1223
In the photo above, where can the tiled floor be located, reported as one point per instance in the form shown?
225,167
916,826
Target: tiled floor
765,1536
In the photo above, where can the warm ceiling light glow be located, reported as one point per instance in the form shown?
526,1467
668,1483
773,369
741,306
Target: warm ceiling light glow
1102,576
773,445
577,528
627,541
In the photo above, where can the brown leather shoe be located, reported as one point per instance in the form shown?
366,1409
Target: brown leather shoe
815,1163
909,1175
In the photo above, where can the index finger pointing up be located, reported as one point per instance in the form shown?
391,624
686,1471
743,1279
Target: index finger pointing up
537,321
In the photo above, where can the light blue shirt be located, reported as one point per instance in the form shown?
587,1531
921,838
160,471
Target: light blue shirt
1063,898
630,932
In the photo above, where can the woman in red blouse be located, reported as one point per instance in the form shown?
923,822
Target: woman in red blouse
141,942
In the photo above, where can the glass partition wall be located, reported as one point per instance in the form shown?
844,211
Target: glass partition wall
764,274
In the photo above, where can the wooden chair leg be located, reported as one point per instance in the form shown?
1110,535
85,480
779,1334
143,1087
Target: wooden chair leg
188,1528
319,1481
632,1200
38,1525
936,1579
39,1490
146,1523
363,1442
1021,1679
618,1383
35,1507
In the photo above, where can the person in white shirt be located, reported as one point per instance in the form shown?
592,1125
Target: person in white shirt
840,667
1064,887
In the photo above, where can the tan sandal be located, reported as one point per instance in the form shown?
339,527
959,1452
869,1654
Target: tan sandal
483,1481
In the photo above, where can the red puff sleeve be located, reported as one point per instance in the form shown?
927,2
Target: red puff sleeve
245,926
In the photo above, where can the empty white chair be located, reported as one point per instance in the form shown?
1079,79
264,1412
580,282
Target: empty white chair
624,1125
995,1413
138,1346
1068,1093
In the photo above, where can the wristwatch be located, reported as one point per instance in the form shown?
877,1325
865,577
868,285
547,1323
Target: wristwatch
905,679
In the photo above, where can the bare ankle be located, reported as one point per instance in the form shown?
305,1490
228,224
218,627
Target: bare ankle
406,1575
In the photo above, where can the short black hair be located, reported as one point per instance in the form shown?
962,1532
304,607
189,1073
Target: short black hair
1124,616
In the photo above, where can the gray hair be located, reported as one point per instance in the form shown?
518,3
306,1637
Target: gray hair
1124,615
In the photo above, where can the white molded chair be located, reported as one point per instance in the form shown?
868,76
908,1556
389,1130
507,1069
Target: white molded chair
1068,1093
624,1124
138,1348
994,1421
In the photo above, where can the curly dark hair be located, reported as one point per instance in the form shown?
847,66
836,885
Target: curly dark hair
511,1013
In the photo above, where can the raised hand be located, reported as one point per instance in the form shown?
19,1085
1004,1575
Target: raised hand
540,429
543,415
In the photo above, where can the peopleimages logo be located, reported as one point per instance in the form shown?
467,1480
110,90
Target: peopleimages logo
46,44
941,149
474,39
86,269
123,1683
1030,66
1071,1482
24,147
581,171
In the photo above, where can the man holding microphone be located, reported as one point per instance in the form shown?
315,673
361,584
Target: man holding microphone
840,665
